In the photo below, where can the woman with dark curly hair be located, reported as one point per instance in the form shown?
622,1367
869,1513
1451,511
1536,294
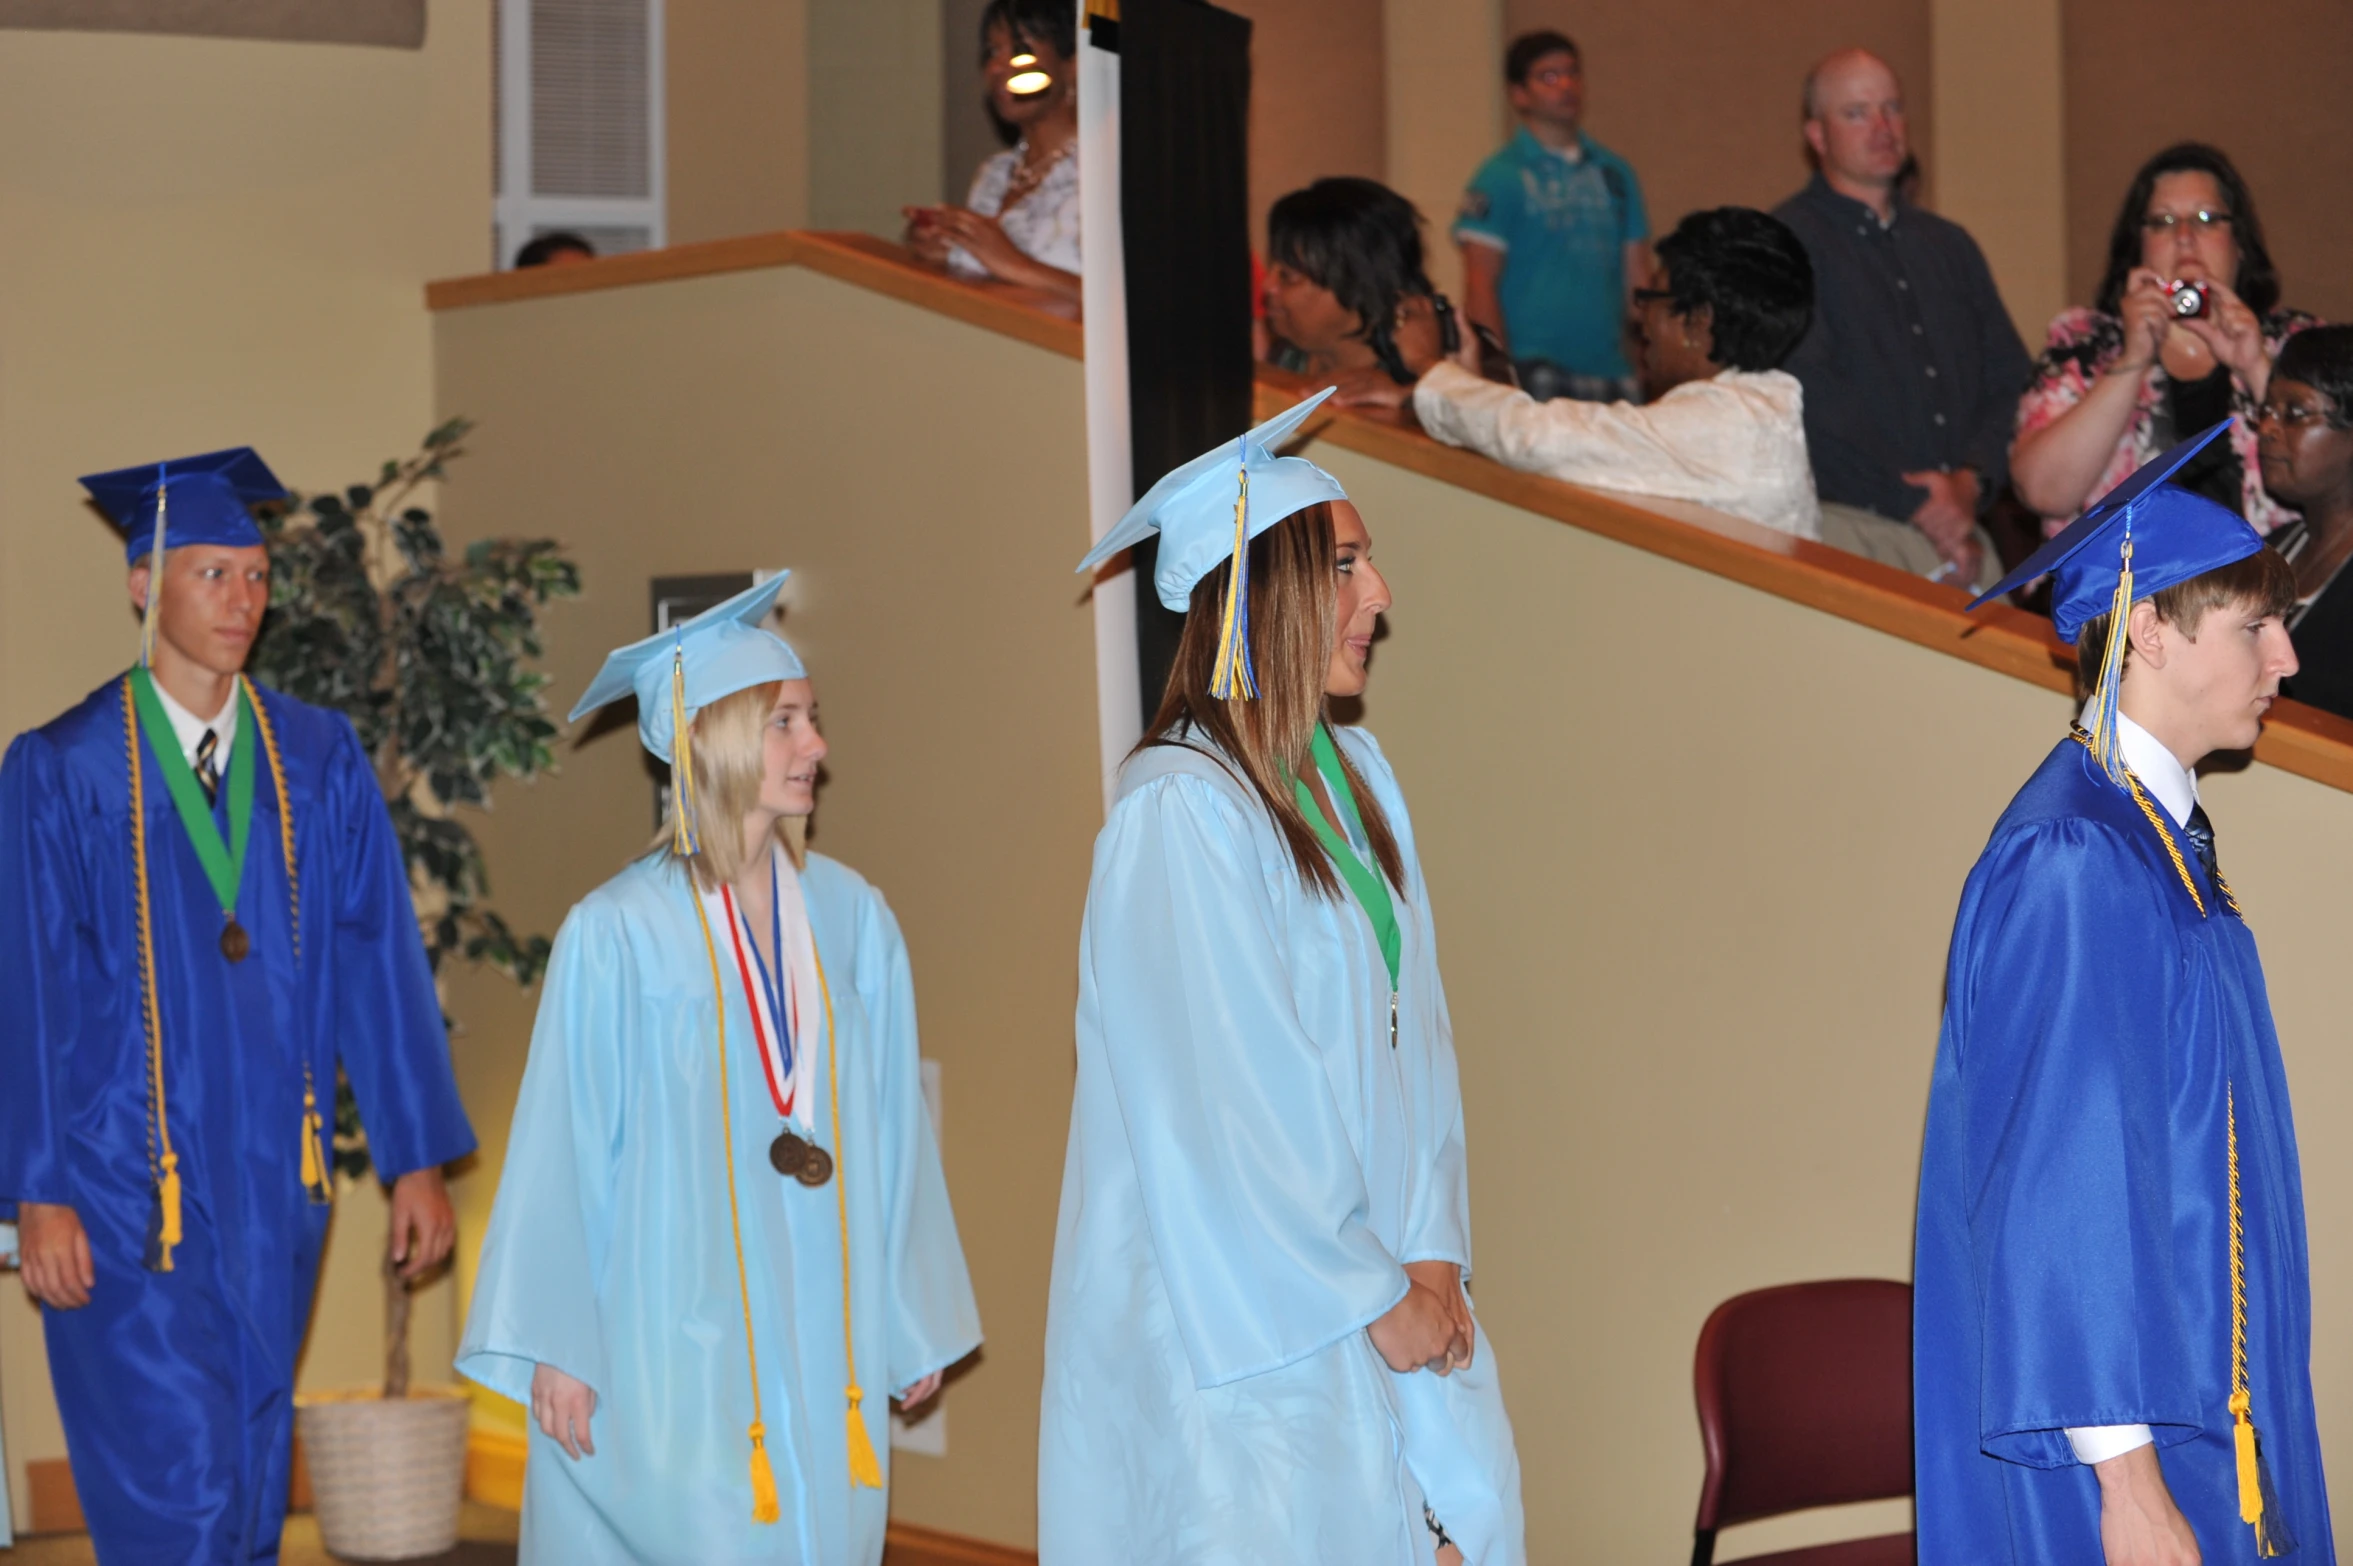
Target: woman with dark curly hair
2305,438
1345,289
1730,295
2181,337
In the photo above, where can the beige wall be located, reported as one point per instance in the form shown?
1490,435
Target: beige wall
2001,145
874,111
738,132
1694,913
931,521
1317,108
2268,88
210,242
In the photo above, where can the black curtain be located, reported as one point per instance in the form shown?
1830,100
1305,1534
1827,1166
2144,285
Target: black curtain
1184,137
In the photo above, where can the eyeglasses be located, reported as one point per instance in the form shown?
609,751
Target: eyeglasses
2201,221
1651,296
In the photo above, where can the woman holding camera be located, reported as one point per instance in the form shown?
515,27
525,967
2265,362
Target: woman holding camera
2182,336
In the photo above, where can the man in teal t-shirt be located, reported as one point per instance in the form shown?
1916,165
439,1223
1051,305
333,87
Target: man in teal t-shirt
1554,235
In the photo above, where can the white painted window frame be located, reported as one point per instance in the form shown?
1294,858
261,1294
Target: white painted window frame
516,211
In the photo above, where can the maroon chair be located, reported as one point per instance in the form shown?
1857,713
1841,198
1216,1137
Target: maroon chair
1805,1399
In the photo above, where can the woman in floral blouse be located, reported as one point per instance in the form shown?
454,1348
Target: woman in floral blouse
2119,383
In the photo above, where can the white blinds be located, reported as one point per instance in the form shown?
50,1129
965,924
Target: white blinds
579,120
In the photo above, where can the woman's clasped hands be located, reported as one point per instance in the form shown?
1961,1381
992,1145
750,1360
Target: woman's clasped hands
1431,1328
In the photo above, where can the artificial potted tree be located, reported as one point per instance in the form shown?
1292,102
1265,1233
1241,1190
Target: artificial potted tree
429,656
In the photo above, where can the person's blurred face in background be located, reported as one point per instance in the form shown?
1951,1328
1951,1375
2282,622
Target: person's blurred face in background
1855,121
2307,453
999,72
1554,93
1305,314
2186,230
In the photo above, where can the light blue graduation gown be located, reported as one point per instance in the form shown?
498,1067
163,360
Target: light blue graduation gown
1250,1165
610,1257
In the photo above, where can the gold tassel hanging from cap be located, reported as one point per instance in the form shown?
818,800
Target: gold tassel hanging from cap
683,842
1234,674
2110,685
154,578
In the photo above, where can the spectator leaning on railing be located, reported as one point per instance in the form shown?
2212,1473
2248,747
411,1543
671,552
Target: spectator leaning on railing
1553,232
2151,362
2306,450
1912,367
1345,289
1729,297
1020,224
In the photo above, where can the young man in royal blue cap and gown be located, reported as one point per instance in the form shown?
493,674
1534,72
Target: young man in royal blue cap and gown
2113,1318
722,1238
203,915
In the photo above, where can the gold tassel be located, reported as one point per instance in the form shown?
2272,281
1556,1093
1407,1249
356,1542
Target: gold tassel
2109,688
155,550
314,1156
2243,1435
1235,679
864,1470
682,811
764,1505
167,1195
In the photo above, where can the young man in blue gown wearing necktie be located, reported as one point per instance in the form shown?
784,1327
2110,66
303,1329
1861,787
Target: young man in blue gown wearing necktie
203,915
2112,1330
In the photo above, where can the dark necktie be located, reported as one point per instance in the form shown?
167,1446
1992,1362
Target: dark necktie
2200,832
208,771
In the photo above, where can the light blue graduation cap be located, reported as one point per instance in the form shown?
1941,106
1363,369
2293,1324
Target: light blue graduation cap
204,499
678,672
1207,511
2144,536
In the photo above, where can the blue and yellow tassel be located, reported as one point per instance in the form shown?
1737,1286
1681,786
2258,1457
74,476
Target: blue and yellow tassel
683,842
1234,674
2101,713
163,493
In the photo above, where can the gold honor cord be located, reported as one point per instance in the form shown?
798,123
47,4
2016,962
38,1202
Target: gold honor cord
2181,867
764,1504
864,1470
163,1163
2258,1503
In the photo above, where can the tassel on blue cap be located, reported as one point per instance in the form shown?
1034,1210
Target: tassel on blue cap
2100,711
683,842
1234,675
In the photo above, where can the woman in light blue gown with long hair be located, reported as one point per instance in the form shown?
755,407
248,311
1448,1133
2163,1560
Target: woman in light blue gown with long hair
721,1227
1259,1346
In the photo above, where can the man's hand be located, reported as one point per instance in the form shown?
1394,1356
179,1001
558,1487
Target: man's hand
1444,1279
1949,515
423,1227
2139,1524
563,1407
54,1253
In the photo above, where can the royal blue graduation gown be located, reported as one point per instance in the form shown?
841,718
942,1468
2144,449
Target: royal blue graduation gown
2073,1256
610,1254
1250,1164
176,1387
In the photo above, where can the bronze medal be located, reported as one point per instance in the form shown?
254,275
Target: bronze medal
235,943
817,1168
789,1154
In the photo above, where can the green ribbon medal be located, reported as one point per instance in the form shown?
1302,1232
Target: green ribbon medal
1369,885
224,863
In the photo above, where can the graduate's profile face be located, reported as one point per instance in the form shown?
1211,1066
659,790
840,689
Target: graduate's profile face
213,600
792,750
1360,598
2217,682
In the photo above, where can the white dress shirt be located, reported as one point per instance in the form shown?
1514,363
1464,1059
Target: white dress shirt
189,729
2175,787
1736,442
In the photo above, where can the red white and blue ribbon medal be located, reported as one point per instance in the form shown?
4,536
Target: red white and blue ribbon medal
775,1006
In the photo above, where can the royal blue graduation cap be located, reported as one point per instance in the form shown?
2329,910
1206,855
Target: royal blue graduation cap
204,499
1207,511
2144,536
187,500
678,672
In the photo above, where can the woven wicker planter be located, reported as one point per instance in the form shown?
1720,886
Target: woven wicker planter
387,1478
